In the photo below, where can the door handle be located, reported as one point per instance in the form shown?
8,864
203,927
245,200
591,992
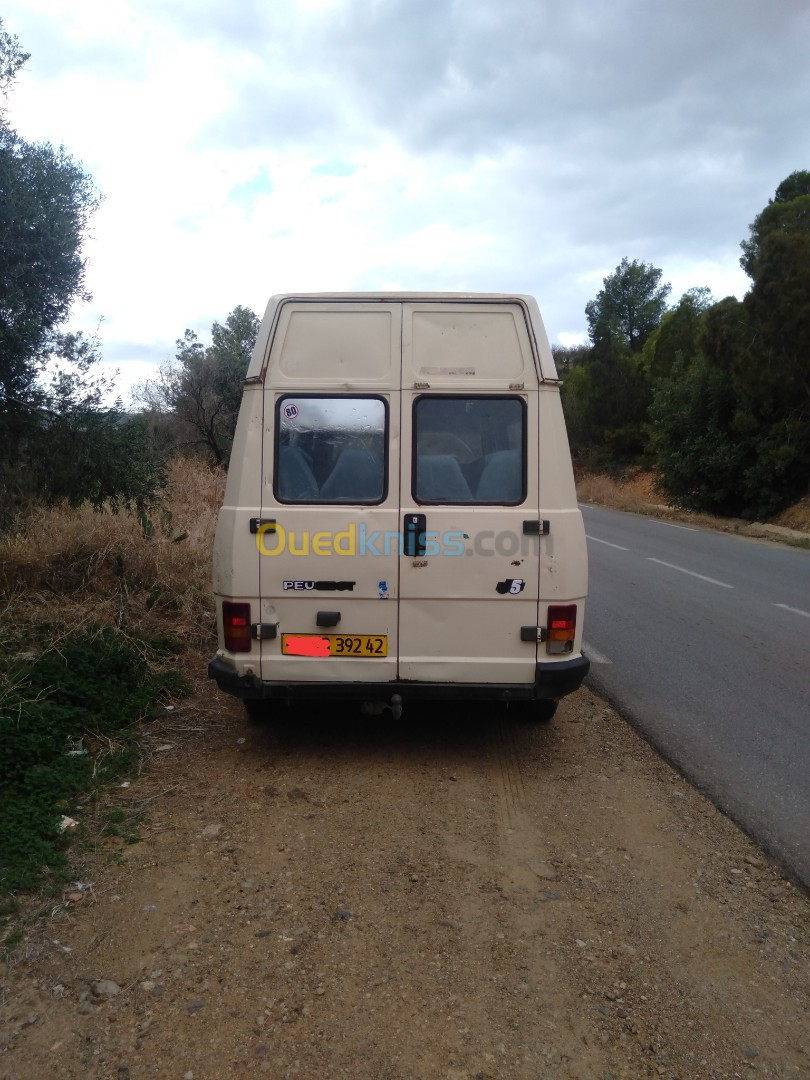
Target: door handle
414,529
268,524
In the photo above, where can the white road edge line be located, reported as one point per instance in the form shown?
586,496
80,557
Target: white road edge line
671,525
596,540
691,573
594,654
795,610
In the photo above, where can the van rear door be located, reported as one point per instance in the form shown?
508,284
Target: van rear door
329,526
469,484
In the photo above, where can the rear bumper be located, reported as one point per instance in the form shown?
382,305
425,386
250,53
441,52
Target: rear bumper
552,681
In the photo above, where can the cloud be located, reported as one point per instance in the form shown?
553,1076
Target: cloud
500,145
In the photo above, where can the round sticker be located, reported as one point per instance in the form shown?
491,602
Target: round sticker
291,411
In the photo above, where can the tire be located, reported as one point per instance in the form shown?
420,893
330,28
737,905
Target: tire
533,712
257,709
544,711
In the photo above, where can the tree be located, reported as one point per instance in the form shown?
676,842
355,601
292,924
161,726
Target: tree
12,58
59,438
202,387
778,311
46,200
676,337
699,459
95,452
732,423
629,307
568,357
607,394
787,214
774,388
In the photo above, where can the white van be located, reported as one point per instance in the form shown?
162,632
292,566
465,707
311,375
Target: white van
400,519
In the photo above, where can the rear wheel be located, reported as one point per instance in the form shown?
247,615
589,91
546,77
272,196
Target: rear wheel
533,712
256,708
544,710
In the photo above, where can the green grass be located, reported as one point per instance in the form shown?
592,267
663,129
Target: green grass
123,822
87,696
799,542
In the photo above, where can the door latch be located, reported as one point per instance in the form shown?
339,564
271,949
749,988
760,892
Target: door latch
268,524
536,528
415,529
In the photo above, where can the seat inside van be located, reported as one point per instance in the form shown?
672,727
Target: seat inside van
500,479
357,475
295,476
440,478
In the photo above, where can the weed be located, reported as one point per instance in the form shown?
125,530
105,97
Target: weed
14,937
96,608
124,822
66,726
8,906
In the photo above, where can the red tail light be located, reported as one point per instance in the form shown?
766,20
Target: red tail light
562,628
236,626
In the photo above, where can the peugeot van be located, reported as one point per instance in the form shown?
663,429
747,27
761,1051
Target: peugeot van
400,520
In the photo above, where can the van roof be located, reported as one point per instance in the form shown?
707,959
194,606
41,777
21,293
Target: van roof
537,332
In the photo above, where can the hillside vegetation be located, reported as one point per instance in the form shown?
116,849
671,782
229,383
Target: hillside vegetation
640,492
98,609
714,396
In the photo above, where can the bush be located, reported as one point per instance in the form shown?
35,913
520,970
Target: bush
135,587
67,723
715,455
698,459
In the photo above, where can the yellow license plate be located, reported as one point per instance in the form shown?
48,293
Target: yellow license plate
366,645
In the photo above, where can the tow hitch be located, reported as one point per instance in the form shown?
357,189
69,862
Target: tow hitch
374,708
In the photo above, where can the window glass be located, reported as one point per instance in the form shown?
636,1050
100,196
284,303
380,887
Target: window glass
330,450
469,450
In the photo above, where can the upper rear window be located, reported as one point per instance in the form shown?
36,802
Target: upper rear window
469,450
330,449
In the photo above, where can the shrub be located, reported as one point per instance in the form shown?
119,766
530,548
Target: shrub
95,605
66,723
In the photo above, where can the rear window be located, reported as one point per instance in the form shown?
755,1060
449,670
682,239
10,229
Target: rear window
330,449
469,450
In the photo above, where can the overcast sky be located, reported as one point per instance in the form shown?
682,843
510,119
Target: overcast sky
247,147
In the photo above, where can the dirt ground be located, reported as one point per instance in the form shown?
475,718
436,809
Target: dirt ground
457,895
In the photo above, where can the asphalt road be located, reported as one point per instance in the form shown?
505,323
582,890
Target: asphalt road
703,641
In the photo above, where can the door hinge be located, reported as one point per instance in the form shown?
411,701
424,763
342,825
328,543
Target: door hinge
536,528
268,524
263,631
533,633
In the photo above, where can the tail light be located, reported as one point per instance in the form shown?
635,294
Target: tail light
562,628
236,626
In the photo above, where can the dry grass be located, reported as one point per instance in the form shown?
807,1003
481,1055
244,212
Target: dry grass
69,566
796,516
638,493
